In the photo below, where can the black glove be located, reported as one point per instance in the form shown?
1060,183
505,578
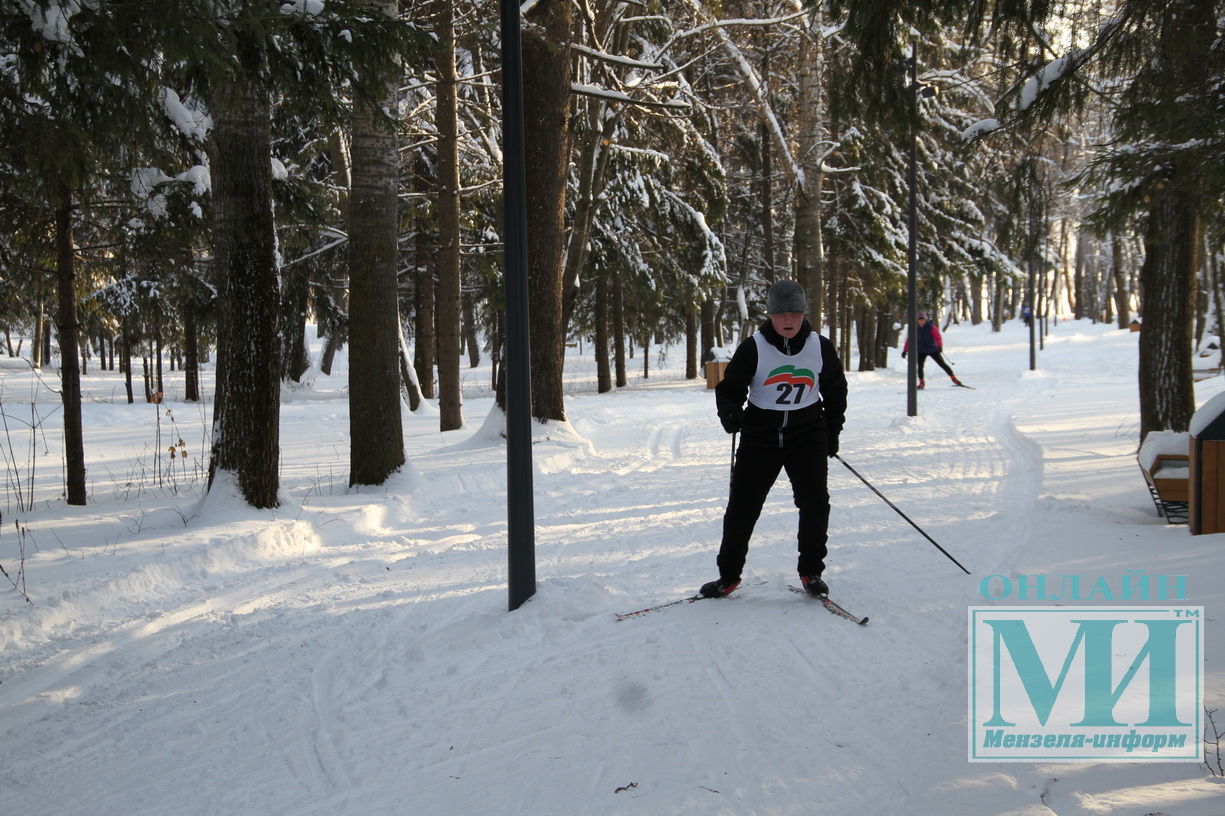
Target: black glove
831,444
732,420
903,355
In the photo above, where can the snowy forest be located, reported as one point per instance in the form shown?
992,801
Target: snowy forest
198,181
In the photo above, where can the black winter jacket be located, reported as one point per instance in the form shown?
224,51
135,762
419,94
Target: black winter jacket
782,428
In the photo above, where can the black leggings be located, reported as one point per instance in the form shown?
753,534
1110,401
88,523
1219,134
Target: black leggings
939,361
754,474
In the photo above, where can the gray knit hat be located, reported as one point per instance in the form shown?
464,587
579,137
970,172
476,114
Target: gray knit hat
786,296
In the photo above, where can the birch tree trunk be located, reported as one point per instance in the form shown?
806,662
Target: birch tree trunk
376,431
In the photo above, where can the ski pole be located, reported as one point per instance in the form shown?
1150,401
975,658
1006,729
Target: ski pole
903,515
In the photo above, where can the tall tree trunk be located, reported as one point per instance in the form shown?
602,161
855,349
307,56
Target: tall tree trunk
591,145
497,335
157,352
246,414
708,329
376,431
546,113
1218,303
807,240
865,327
191,353
1121,302
332,345
592,168
424,331
40,324
766,190
471,340
408,375
691,342
1172,245
125,358
976,301
335,326
618,316
603,370
146,371
1173,234
450,412
997,302
886,335
69,331
844,348
833,305
46,340
295,305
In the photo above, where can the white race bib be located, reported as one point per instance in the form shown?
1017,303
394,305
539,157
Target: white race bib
786,382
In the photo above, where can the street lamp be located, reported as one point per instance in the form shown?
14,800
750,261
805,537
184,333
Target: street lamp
520,511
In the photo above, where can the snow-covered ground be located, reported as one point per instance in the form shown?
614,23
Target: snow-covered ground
351,652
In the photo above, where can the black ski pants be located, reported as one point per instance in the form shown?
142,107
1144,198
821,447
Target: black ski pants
754,474
938,357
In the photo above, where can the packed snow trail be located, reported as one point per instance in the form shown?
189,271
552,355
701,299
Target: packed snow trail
350,653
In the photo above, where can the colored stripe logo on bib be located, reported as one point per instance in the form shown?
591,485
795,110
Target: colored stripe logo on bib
791,375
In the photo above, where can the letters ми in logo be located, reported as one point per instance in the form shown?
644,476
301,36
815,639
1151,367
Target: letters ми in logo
1104,683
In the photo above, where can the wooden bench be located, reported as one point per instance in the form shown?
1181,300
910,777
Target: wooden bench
1169,482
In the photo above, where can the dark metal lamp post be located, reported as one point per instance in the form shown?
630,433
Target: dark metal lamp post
520,510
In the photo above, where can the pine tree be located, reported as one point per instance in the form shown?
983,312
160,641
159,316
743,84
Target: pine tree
64,120
1166,57
306,56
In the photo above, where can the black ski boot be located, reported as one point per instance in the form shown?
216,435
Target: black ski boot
814,586
719,588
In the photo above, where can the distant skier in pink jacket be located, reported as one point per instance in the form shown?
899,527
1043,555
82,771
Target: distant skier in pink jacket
930,344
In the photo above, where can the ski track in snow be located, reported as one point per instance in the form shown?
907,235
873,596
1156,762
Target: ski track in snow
355,656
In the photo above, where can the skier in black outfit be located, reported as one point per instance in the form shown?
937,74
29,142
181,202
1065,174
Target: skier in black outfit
796,392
